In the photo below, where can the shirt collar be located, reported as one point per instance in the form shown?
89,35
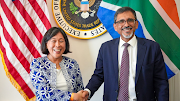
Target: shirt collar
132,42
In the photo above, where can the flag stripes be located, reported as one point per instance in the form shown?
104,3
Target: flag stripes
13,48
172,22
22,25
16,38
40,13
18,28
28,19
172,13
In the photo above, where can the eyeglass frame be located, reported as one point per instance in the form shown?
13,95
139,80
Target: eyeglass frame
126,21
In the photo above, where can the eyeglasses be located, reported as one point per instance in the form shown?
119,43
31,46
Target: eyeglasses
129,21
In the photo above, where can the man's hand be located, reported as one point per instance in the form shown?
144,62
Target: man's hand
78,96
85,95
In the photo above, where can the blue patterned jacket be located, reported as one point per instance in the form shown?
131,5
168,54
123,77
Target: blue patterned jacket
43,77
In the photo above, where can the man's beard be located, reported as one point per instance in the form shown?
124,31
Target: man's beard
128,36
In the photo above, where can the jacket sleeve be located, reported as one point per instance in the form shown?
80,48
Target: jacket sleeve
43,89
160,77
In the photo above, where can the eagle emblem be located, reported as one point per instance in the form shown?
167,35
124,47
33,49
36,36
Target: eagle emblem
78,18
84,6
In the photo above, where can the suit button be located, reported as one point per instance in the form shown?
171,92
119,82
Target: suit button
137,93
116,91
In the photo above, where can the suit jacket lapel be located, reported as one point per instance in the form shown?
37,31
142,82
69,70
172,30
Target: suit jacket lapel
141,50
114,50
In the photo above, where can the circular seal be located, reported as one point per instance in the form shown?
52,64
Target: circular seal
78,18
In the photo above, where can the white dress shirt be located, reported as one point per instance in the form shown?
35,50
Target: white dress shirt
132,49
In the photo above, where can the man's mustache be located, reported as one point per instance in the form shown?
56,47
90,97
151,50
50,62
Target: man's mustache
128,27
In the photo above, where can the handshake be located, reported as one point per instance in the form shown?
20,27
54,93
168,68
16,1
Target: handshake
82,95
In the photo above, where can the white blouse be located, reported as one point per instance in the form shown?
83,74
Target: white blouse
61,83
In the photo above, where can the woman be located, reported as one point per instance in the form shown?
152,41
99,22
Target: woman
56,77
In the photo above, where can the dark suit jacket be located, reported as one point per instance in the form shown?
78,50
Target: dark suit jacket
151,82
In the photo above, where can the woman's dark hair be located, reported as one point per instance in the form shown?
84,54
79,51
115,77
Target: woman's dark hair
122,10
51,33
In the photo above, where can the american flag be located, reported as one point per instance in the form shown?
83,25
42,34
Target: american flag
22,26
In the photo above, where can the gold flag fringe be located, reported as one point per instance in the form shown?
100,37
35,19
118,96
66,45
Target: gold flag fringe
13,81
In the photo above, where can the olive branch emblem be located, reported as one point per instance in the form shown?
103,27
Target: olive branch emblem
73,8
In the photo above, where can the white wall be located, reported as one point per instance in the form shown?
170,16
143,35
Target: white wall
85,52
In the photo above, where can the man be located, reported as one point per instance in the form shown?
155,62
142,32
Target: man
146,77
